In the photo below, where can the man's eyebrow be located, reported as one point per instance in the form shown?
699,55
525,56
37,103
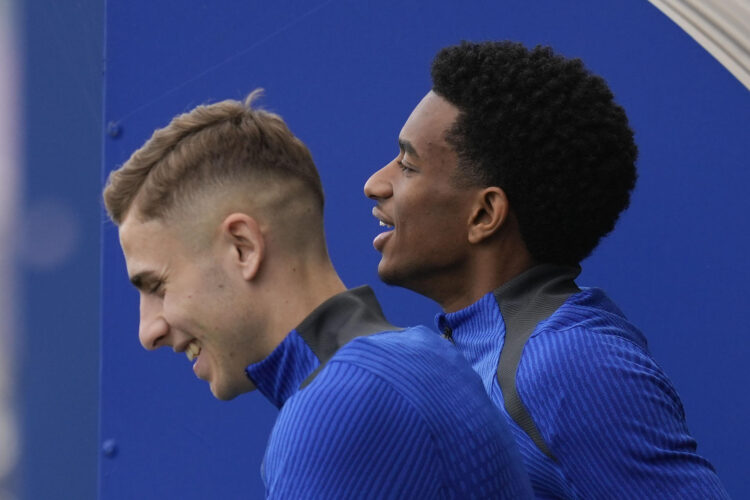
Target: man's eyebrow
408,147
140,280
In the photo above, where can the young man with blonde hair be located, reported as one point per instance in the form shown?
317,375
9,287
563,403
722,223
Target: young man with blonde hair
220,218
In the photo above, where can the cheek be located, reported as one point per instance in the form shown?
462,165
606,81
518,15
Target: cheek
182,311
442,228
436,218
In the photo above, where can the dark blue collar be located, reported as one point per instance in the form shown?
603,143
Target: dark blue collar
514,302
306,349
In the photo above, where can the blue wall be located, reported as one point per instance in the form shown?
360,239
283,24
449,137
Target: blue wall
59,248
345,75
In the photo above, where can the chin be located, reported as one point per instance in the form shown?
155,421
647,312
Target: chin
415,279
228,392
387,276
223,393
393,277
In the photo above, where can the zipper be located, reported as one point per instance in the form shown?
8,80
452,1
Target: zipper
448,334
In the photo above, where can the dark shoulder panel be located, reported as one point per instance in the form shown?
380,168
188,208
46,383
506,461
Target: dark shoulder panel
338,320
524,302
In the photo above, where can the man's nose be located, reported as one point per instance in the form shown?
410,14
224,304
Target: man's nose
378,186
153,331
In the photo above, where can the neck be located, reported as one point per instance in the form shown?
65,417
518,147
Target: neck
475,284
488,267
292,290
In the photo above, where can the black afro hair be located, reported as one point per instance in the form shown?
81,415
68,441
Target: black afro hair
548,132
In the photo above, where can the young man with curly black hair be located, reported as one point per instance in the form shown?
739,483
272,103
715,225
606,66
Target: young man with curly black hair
509,172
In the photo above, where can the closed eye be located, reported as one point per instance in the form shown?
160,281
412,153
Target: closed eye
405,168
157,289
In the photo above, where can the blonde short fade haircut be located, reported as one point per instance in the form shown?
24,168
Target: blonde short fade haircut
222,145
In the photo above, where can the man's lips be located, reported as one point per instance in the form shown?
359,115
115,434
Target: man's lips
380,239
384,220
191,349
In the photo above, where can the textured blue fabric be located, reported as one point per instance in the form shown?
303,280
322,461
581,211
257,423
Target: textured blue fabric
280,374
391,415
609,414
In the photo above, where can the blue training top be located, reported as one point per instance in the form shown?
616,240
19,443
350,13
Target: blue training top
611,420
392,414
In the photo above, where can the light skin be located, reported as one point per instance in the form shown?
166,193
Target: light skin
232,299
451,241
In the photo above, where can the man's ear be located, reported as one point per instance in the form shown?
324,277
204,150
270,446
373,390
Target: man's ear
246,242
489,214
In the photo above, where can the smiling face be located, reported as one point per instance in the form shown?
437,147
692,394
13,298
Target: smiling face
191,301
418,195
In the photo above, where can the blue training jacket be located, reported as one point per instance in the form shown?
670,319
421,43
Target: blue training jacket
593,414
372,411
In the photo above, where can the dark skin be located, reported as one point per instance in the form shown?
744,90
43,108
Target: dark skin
450,242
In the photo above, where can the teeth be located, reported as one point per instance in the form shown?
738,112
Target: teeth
383,224
192,351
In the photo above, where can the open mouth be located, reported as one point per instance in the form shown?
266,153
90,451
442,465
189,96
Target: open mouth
385,223
383,220
192,350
